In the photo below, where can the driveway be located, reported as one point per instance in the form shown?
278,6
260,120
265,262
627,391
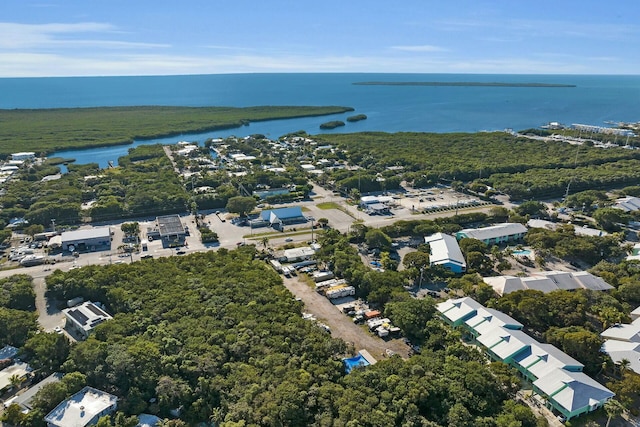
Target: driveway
341,325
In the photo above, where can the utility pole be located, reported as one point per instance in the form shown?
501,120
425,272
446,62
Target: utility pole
53,224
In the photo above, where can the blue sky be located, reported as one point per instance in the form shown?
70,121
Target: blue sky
160,37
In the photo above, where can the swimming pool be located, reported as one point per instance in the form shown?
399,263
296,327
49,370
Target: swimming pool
522,252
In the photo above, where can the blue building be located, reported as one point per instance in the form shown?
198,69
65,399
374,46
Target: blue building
278,218
445,251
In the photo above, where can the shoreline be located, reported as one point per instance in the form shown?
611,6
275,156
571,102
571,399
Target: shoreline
466,84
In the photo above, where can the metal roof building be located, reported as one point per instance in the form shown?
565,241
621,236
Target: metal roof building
495,234
8,352
283,216
555,376
621,350
548,281
487,319
624,332
92,239
24,400
572,393
457,311
296,254
628,204
539,360
445,251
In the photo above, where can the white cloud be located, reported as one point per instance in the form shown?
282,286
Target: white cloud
420,48
15,36
19,64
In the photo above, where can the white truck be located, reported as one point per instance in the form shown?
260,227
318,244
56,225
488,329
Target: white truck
276,265
321,276
341,292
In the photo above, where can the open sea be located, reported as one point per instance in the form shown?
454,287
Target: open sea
594,100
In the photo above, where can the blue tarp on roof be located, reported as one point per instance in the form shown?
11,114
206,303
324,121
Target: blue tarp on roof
8,352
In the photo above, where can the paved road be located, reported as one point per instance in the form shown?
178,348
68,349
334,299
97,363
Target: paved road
341,325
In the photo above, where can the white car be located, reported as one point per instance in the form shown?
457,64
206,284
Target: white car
58,330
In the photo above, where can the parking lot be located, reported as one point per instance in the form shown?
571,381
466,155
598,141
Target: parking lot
340,215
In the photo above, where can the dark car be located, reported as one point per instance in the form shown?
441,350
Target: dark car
180,252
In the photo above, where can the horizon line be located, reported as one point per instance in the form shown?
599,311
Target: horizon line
319,72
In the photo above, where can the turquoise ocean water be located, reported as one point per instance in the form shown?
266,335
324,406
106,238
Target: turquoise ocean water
594,100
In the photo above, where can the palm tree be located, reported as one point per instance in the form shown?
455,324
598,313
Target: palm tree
623,366
15,380
613,408
265,241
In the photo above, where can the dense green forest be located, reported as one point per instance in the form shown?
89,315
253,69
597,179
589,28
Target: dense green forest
217,335
47,130
520,167
17,310
144,184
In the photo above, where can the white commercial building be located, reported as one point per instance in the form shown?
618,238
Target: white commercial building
93,239
82,409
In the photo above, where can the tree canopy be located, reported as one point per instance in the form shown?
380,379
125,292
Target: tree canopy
219,336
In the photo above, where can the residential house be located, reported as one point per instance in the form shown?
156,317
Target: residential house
495,234
555,376
445,251
82,409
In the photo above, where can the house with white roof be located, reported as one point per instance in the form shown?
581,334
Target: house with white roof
82,409
503,285
495,234
548,281
85,317
445,251
487,319
504,344
539,360
627,204
18,370
622,342
457,311
556,376
622,350
623,332
572,393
